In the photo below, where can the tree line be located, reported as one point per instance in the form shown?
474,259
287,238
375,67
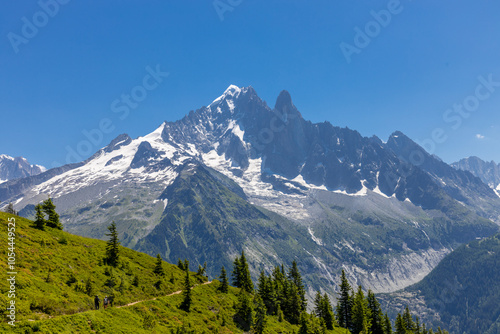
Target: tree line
282,293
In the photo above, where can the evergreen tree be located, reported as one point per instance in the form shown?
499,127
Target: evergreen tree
418,329
279,286
180,264
241,274
344,305
400,327
360,313
304,324
387,325
266,292
293,305
323,310
296,278
158,270
10,209
236,274
408,323
112,249
50,209
328,316
246,279
224,286
318,306
376,316
40,217
260,321
244,311
187,298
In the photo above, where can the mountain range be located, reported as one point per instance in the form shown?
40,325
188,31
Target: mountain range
16,168
488,172
237,174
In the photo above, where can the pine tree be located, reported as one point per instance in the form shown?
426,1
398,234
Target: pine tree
408,322
246,279
186,293
236,274
304,324
224,286
296,278
376,316
318,305
418,329
202,270
260,321
360,313
387,325
112,249
158,270
344,306
279,286
328,316
400,327
40,217
50,209
293,305
10,209
244,311
180,264
266,292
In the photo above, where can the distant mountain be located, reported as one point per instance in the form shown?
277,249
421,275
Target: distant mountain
488,172
237,174
459,184
462,293
16,168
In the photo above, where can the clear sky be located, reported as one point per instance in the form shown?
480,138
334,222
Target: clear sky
373,66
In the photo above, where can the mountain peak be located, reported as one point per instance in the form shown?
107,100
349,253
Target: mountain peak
232,91
18,167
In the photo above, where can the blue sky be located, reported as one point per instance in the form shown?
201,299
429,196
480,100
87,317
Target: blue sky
421,60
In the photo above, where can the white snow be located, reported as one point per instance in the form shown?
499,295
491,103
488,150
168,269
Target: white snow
96,171
235,129
232,91
4,156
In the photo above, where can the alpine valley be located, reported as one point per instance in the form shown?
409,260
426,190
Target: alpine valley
238,174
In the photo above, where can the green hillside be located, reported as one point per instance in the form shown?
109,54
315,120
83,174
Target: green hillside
53,270
59,273
212,313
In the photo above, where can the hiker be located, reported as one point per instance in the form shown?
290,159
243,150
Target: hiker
105,302
96,302
111,299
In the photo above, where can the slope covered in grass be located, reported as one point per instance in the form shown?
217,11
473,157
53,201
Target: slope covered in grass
211,312
59,273
53,294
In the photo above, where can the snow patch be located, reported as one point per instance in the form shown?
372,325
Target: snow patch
231,91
